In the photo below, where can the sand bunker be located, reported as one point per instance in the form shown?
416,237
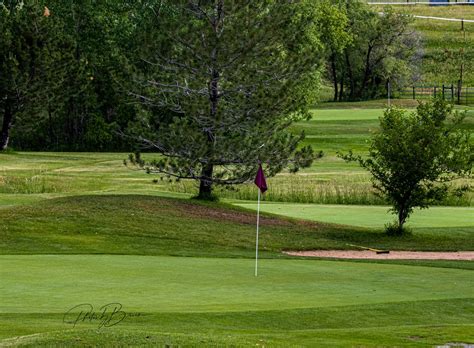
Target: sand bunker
393,255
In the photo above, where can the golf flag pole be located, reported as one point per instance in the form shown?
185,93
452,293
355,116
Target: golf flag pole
256,243
262,187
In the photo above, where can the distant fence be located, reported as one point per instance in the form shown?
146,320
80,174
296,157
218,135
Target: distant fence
459,20
454,93
421,2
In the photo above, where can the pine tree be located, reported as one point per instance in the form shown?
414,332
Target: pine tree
224,81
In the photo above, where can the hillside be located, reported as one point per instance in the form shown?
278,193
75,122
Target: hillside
446,46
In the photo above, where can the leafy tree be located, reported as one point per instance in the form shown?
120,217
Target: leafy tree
224,81
336,36
415,156
381,48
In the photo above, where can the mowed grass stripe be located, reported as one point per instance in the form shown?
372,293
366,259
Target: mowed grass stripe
55,283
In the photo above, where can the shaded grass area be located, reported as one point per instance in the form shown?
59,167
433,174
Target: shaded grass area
402,336
218,301
147,225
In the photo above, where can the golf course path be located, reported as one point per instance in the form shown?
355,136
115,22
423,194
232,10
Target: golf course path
393,255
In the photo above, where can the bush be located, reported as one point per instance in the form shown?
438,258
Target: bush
395,229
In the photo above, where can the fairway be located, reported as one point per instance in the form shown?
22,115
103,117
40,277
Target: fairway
313,293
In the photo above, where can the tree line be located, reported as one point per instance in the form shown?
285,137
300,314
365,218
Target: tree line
75,76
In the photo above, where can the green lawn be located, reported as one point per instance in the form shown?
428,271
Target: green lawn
219,301
97,249
82,228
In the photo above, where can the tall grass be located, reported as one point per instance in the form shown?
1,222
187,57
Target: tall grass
345,189
33,183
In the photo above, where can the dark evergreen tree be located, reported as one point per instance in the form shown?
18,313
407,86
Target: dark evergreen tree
225,79
23,28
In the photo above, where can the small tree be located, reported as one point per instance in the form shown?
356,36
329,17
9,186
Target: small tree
415,156
224,81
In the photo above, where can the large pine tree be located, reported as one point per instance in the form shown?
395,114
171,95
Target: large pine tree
223,82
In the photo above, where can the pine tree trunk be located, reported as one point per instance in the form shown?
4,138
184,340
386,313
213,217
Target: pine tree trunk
6,125
205,185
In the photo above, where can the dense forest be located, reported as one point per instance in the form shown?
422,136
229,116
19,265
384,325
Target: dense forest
74,75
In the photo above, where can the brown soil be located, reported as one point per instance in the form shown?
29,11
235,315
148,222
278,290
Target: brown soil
236,216
393,255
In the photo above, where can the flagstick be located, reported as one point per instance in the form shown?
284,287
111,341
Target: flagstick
256,244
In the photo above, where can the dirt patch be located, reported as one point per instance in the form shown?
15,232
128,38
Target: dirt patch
230,215
393,255
221,214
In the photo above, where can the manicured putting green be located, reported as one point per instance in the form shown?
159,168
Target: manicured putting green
55,283
369,216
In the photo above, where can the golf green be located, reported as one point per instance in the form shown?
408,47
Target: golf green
55,283
369,216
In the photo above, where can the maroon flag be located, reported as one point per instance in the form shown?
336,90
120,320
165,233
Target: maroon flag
260,179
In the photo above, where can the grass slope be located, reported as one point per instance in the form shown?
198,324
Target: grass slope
147,225
443,42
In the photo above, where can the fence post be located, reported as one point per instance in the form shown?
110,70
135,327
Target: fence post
443,91
434,91
414,93
459,91
452,92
